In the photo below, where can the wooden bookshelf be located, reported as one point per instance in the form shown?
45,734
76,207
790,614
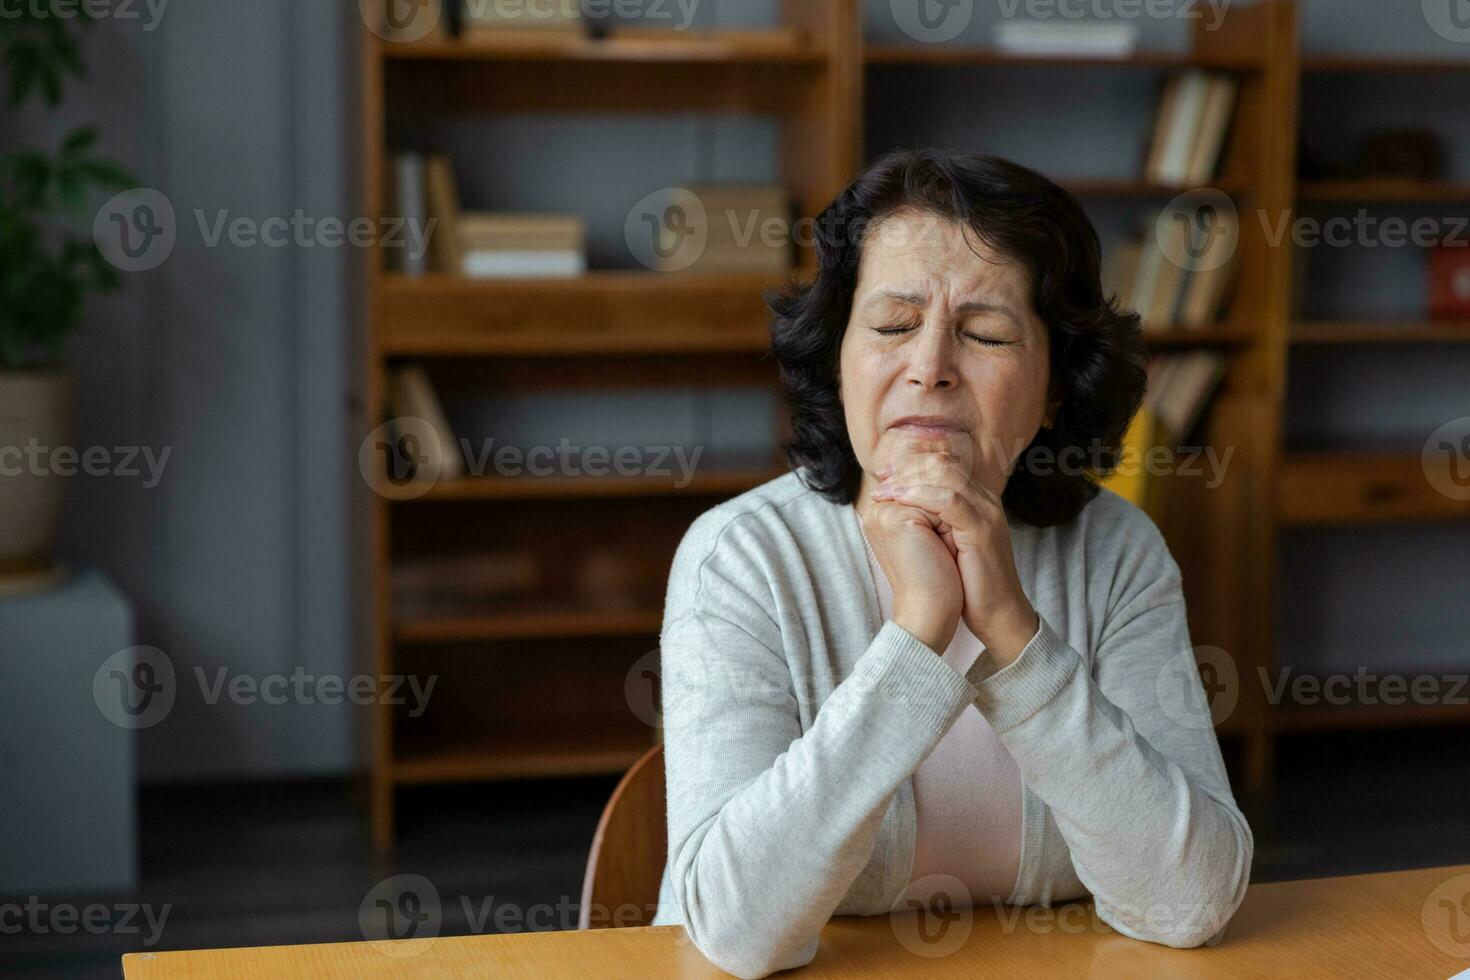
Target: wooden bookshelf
610,327
628,328
1348,489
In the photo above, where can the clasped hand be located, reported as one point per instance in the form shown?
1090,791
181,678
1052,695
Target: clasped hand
942,539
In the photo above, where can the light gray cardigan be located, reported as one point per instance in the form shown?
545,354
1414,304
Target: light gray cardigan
794,719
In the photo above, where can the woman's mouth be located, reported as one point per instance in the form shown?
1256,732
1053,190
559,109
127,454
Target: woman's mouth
929,426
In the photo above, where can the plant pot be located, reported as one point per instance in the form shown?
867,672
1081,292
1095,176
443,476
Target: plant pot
35,420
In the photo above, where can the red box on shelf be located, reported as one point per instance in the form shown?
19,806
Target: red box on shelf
1449,280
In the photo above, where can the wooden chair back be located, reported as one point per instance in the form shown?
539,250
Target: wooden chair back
629,849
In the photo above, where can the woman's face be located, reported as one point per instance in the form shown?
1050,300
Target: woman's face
942,351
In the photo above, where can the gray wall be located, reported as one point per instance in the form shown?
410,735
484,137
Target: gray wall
240,359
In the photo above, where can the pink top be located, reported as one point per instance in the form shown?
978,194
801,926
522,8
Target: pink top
968,796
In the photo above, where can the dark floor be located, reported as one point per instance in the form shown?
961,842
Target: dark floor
291,864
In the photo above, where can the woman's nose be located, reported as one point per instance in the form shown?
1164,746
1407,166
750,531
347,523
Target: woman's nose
931,362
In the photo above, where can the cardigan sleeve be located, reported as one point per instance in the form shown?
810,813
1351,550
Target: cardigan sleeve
1125,757
769,825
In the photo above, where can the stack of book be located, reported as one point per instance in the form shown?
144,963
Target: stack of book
1180,387
494,245
509,21
743,229
1178,274
426,230
1190,127
1086,39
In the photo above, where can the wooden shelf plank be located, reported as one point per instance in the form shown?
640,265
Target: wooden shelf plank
1345,64
731,47
1215,335
709,483
1315,332
1328,717
1347,488
1383,189
599,313
1134,188
524,624
542,753
977,56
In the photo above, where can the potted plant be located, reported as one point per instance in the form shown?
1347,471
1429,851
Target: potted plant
48,265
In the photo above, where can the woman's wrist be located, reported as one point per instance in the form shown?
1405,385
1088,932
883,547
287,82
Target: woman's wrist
934,630
1008,635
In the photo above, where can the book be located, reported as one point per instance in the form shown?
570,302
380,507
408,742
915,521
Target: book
1214,123
410,394
1205,295
505,263
442,204
1121,270
1173,166
1168,284
746,229
518,18
1130,479
1186,390
1087,38
409,205
1190,127
511,244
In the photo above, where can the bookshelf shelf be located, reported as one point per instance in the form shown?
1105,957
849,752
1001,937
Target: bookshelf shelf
1128,188
514,755
600,313
1337,64
1220,335
709,483
938,55
1324,332
1329,717
1432,191
1349,488
769,47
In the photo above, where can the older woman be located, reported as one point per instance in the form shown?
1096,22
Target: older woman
936,663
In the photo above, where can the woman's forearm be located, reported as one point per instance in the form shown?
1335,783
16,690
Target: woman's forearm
770,826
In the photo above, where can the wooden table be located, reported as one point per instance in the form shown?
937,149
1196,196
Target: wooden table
1397,924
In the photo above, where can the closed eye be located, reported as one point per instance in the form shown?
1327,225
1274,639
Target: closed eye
984,341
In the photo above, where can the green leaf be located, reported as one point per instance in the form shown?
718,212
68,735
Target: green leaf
79,142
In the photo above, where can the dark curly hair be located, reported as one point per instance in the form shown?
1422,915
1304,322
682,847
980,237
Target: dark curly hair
1097,349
